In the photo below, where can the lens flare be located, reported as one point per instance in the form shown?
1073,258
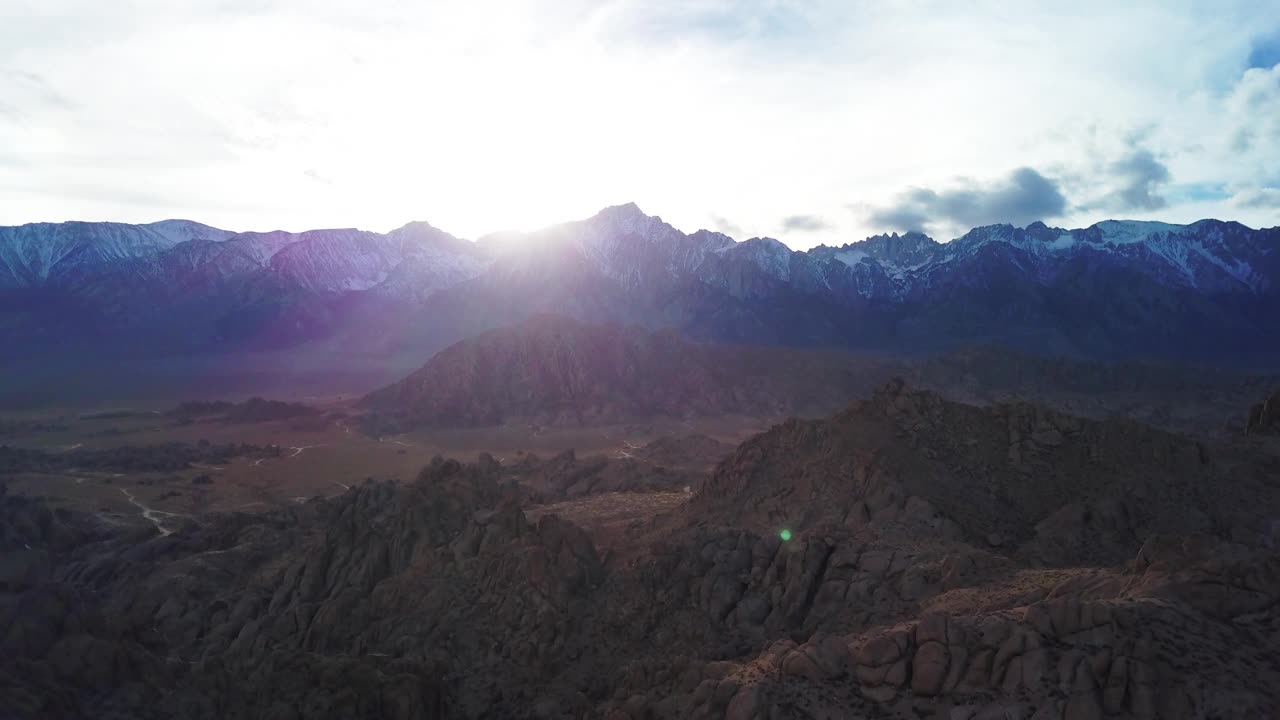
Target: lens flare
785,535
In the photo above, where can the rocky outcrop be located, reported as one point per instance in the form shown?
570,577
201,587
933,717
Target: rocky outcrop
910,557
553,370
695,452
1050,487
366,606
567,476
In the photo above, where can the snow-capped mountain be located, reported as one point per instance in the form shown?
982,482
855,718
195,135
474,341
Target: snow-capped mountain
1209,255
619,243
896,254
176,253
342,260
1117,288
49,253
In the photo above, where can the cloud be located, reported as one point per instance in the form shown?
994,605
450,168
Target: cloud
1140,175
317,176
726,226
26,93
911,212
784,108
1023,197
1266,197
804,223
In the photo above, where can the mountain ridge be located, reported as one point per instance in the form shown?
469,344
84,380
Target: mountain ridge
1115,290
628,221
554,370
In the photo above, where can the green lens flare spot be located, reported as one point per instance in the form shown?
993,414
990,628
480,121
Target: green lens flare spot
785,535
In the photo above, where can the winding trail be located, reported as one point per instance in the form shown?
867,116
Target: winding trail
155,516
627,445
298,450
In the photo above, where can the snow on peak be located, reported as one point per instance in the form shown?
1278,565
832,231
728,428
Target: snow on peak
769,254
625,213
850,257
628,219
716,241
1124,232
1063,242
415,226
179,231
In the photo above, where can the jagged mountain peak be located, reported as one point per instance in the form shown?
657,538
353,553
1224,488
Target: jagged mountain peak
763,245
771,243
1129,231
712,239
422,234
769,254
416,225
628,209
894,251
425,231
628,219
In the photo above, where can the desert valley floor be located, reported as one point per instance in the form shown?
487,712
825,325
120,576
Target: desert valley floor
315,460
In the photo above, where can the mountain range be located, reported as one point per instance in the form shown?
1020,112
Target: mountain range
1207,292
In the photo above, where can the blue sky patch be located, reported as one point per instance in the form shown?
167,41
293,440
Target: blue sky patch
1266,51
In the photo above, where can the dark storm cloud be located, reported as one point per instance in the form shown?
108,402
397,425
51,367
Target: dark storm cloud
908,214
1140,175
1023,197
804,223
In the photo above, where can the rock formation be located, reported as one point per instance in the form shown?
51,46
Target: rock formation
939,560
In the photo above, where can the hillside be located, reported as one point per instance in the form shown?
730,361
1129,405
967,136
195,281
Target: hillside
557,371
554,370
939,560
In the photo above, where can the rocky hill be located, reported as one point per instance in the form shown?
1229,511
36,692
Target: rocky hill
554,370
1041,484
939,560
1194,399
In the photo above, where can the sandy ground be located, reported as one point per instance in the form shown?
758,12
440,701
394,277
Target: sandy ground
313,463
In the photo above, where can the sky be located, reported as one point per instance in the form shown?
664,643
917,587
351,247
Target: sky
812,122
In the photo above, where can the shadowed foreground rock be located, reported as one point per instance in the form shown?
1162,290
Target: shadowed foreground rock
945,561
1264,418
